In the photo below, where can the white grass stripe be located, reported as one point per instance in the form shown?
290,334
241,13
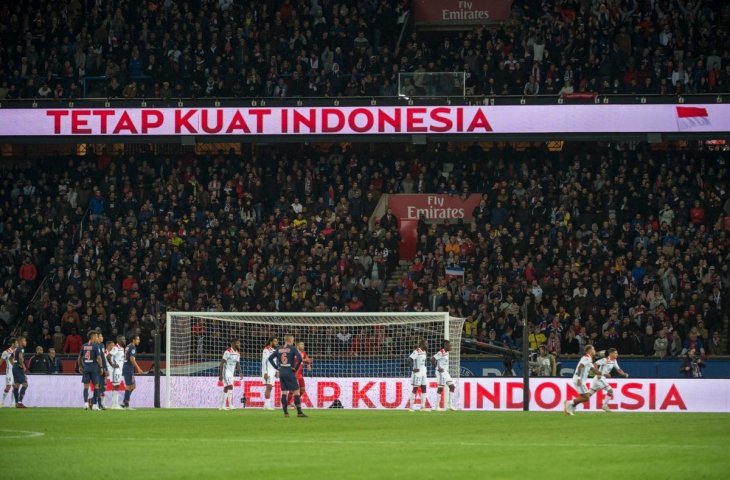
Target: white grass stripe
300,441
19,434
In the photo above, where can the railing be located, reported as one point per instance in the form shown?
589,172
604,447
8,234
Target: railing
35,301
81,224
359,101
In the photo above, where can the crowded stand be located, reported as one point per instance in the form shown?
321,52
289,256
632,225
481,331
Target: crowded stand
621,247
322,48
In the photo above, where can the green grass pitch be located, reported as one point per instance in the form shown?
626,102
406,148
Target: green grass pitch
342,444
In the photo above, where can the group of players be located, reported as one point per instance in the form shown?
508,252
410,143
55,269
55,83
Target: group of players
287,362
15,369
97,361
603,368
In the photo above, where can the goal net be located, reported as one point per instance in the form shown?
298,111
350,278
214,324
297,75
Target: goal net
359,360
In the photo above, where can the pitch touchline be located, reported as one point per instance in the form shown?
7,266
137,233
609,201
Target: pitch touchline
396,443
23,434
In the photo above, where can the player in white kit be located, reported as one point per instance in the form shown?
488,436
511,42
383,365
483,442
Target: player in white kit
440,362
116,362
419,375
606,366
268,372
580,376
230,364
7,358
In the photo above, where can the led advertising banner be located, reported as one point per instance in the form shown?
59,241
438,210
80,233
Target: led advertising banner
405,120
483,394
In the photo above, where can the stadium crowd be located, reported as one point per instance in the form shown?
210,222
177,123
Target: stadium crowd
325,48
624,248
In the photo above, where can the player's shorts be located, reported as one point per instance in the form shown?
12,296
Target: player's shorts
443,378
128,376
599,384
300,381
227,379
9,379
419,379
580,388
19,375
91,376
288,381
271,380
115,376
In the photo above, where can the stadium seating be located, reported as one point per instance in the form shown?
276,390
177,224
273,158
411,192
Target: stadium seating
621,247
320,48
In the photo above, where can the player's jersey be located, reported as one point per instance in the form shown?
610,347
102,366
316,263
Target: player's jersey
300,367
587,362
286,358
266,367
7,357
19,352
419,360
231,357
90,352
117,354
606,365
105,362
129,353
442,360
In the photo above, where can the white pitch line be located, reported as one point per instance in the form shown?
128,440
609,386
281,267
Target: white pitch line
24,434
400,443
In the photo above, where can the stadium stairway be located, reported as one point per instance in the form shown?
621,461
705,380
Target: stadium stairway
392,283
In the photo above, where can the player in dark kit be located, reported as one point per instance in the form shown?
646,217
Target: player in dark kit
130,367
19,372
91,367
286,359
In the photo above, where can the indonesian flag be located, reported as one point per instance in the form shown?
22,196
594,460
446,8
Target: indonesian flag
454,272
691,117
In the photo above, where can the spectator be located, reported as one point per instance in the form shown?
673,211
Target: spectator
39,363
661,344
73,343
55,365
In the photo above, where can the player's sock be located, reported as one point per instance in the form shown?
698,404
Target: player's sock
413,401
230,398
267,402
15,394
284,404
22,393
86,395
223,399
115,396
5,395
127,394
298,403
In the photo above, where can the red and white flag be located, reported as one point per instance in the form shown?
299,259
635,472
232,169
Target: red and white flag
691,117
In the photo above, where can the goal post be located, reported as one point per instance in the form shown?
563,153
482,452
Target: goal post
349,351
